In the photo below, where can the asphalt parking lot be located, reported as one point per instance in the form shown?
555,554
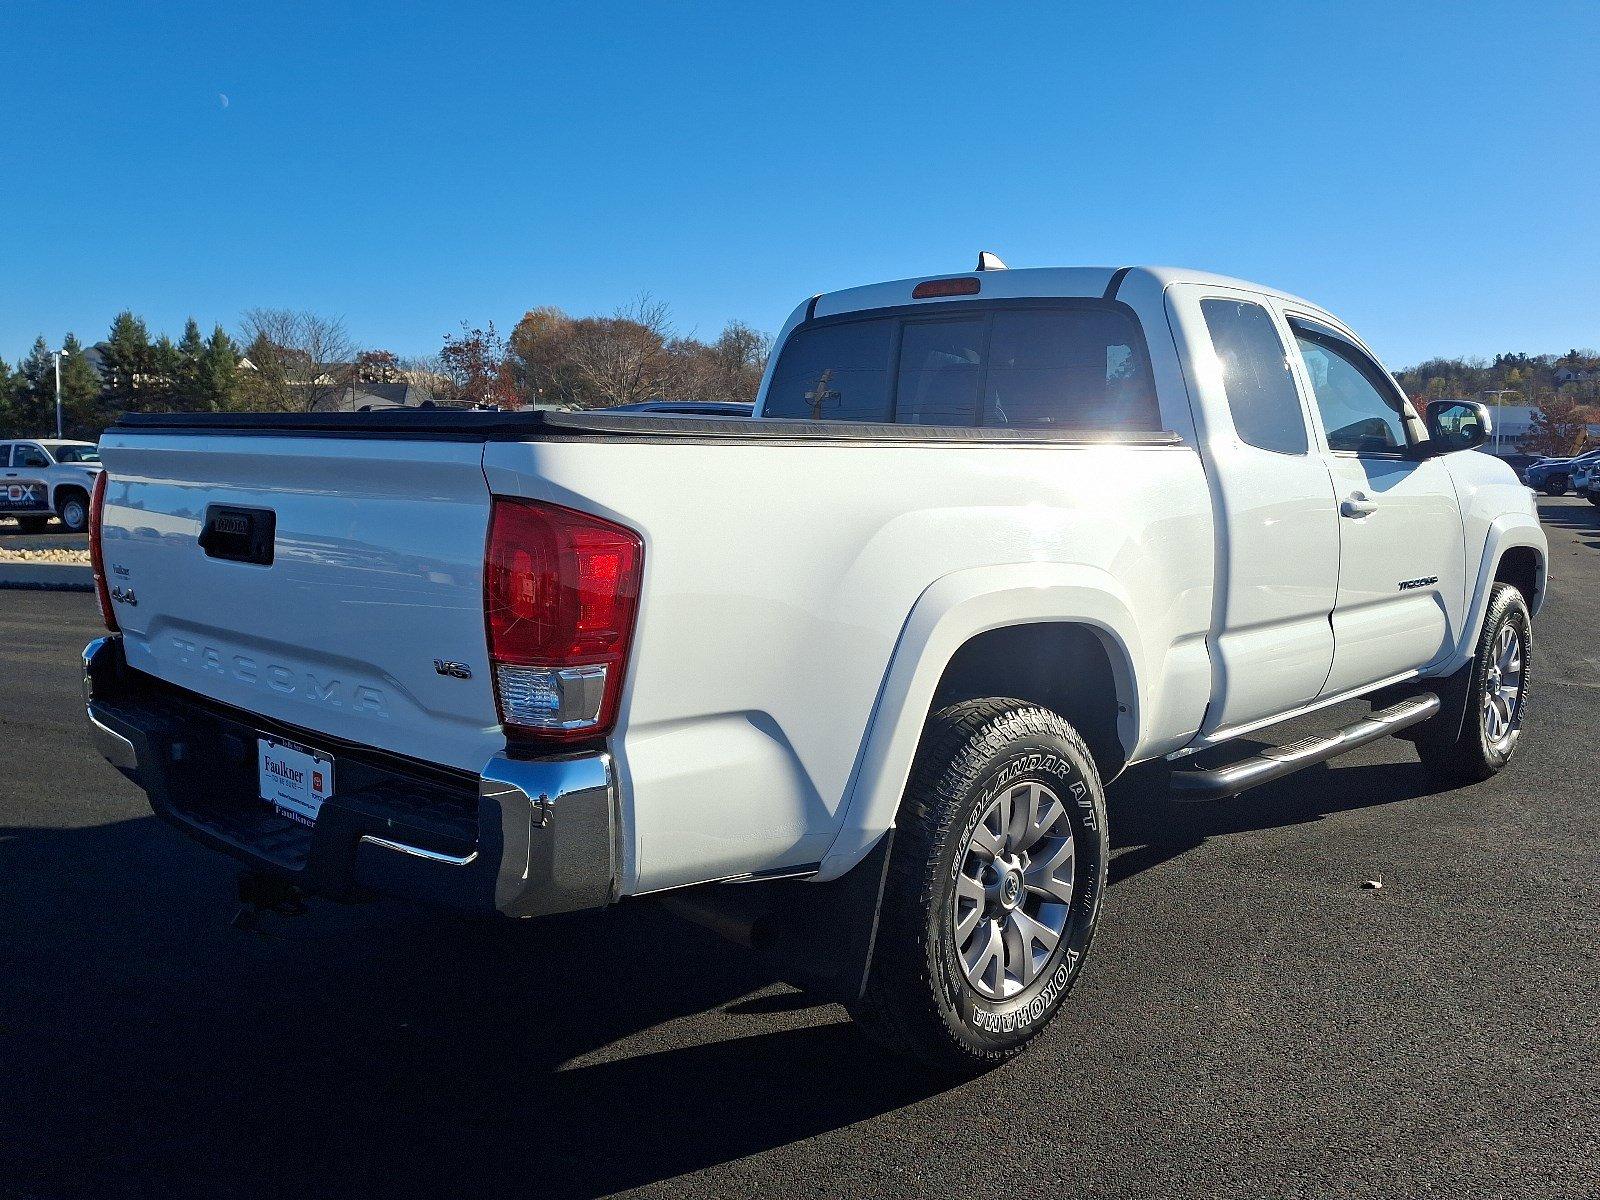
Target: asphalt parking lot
1253,1022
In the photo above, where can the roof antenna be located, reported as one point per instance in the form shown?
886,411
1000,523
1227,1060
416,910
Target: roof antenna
988,261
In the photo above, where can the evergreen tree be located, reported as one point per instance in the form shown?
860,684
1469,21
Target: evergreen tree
186,382
218,370
165,368
37,395
265,389
126,360
81,412
10,381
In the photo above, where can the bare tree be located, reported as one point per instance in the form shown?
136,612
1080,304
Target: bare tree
727,370
309,359
623,358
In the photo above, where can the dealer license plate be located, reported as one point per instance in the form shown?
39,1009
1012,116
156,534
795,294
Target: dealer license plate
295,779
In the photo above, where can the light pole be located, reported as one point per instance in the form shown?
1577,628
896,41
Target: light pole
58,355
1497,407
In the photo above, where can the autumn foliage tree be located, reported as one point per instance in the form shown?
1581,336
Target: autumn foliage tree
1558,426
630,357
476,369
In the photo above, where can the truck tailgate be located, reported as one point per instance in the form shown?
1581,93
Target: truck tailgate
376,571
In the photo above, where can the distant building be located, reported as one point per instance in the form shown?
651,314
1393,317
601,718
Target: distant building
1513,422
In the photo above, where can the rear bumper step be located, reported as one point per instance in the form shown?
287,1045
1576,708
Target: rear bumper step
1221,782
529,836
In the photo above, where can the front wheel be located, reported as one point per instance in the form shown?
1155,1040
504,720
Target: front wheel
993,888
1496,683
73,510
1556,487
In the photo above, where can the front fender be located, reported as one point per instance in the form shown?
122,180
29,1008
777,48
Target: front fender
954,609
1506,532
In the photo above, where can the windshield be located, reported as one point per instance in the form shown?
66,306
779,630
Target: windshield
1075,365
76,454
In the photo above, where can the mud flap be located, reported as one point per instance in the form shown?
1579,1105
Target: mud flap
816,936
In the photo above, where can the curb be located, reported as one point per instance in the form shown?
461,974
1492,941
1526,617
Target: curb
47,577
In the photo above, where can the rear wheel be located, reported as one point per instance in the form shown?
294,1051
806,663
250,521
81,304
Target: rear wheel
993,889
1556,486
1496,682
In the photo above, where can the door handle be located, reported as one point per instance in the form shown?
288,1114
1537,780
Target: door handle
1356,505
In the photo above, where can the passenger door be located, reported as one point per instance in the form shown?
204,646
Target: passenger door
1402,573
1277,529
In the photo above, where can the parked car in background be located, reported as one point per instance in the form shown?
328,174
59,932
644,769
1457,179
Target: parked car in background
1553,476
855,670
1586,481
1517,462
44,476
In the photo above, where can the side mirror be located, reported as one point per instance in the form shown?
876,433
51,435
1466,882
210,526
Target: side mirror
1457,425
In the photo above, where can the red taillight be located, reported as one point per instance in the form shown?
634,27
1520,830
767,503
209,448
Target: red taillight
97,556
964,285
560,589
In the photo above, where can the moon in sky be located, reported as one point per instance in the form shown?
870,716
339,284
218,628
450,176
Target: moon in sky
223,96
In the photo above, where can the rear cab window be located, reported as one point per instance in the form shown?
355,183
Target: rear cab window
1056,364
1256,377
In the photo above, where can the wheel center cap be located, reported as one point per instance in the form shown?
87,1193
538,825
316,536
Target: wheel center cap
1011,889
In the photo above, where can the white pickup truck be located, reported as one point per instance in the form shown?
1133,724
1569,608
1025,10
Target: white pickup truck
41,476
989,539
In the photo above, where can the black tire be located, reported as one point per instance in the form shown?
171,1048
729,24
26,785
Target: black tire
33,524
1556,486
72,506
1456,746
974,756
1594,498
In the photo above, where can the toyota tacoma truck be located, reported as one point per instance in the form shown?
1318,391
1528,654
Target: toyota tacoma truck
42,476
850,675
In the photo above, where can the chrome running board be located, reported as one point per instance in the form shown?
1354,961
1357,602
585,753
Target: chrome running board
1222,782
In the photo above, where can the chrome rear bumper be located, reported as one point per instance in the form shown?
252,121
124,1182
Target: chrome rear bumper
542,838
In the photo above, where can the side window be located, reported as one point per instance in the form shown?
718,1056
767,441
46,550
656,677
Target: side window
30,457
941,366
1256,377
1360,411
5,454
837,372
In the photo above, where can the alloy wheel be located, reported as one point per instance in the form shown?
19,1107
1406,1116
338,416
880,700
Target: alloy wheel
1502,690
1013,890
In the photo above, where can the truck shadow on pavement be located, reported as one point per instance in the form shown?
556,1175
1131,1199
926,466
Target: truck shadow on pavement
147,1048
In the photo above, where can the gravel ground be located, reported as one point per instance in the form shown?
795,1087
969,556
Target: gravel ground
29,554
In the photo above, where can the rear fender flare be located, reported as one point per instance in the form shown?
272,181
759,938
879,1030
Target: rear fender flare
953,610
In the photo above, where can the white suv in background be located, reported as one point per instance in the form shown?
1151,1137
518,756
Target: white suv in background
44,476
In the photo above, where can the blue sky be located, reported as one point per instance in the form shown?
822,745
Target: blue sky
1428,171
